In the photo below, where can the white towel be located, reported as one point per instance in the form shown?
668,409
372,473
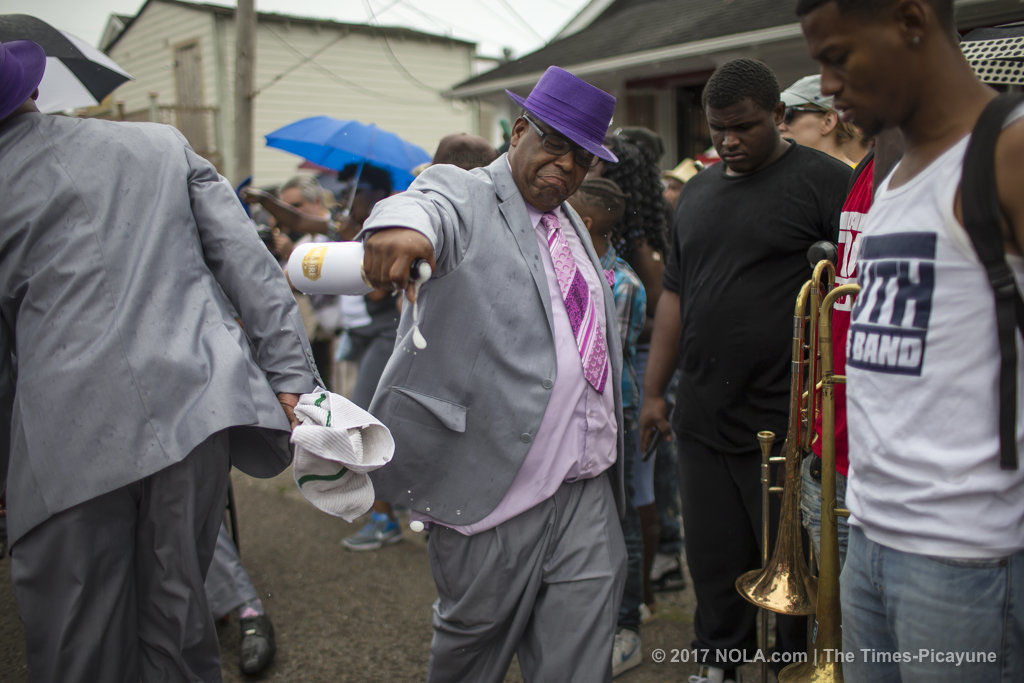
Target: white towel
335,446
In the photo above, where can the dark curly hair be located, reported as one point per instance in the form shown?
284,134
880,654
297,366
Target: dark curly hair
646,139
375,176
599,195
640,180
943,8
738,80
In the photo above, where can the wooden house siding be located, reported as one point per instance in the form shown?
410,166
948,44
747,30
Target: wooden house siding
302,69
147,51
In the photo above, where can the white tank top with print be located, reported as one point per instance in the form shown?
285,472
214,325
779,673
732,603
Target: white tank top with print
922,368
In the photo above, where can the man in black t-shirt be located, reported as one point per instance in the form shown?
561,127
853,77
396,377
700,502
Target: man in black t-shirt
736,261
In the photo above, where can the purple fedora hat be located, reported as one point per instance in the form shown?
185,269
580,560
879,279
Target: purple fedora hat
21,68
573,107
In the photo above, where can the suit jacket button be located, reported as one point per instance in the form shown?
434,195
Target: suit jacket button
525,438
547,384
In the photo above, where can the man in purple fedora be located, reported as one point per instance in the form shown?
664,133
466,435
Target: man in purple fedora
148,342
22,63
508,424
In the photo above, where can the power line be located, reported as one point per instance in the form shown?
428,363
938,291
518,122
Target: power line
393,3
568,8
525,23
340,79
295,66
394,57
445,25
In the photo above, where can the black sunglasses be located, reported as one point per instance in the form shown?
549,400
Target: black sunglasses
791,112
557,145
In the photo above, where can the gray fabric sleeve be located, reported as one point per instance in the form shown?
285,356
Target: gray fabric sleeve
440,205
6,398
251,279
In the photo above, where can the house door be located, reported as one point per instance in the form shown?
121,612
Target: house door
188,79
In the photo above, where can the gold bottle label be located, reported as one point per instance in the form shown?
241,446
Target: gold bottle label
312,262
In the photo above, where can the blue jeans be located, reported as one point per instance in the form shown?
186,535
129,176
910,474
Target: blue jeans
926,609
666,471
810,508
666,499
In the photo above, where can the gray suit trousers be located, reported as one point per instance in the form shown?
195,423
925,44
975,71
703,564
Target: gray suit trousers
544,585
228,586
112,589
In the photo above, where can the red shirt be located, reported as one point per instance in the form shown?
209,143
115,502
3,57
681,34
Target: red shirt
855,209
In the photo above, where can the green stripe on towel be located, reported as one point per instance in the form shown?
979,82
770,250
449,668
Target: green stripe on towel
323,397
323,477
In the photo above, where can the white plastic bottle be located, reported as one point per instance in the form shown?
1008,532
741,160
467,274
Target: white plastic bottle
327,268
336,268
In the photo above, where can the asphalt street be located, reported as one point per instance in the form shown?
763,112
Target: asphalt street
346,616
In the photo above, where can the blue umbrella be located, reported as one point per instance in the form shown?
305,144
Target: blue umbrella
334,143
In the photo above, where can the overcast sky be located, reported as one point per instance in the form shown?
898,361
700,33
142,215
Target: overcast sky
523,25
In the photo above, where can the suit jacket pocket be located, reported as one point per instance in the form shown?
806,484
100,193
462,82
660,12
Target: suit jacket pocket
451,415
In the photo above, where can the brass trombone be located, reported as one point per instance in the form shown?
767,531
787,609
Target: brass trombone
823,664
784,584
823,279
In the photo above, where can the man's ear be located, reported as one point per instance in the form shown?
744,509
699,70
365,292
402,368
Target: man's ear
779,113
913,17
518,130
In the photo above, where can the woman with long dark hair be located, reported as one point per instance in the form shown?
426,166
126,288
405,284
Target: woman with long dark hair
640,238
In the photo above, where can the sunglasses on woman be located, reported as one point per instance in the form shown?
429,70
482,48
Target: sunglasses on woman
791,112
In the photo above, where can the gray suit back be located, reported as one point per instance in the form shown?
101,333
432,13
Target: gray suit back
464,411
126,266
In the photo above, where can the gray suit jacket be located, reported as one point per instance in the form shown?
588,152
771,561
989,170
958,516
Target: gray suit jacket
464,410
126,264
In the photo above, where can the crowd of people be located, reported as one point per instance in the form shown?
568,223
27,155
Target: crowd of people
607,336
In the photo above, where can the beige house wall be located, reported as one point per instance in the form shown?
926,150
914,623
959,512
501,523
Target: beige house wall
301,70
146,51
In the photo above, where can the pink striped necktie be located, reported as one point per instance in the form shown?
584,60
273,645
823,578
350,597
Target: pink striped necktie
579,305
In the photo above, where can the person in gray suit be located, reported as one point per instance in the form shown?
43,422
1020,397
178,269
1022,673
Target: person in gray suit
508,424
148,341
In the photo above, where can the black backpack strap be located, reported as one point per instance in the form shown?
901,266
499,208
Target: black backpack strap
981,210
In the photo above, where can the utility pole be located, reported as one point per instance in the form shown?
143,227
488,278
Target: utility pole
245,58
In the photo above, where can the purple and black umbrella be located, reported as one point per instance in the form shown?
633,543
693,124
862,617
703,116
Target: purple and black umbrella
77,74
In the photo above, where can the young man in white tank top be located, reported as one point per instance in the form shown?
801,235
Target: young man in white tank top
933,580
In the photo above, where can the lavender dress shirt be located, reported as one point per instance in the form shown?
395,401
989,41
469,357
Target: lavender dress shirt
578,435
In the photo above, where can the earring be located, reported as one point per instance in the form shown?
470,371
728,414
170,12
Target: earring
915,40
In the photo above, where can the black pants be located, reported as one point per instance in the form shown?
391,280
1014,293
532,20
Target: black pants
721,498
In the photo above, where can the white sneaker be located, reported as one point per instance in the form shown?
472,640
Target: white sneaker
667,572
626,652
646,613
712,674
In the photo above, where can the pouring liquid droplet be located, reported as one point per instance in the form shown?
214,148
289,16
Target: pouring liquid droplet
418,340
